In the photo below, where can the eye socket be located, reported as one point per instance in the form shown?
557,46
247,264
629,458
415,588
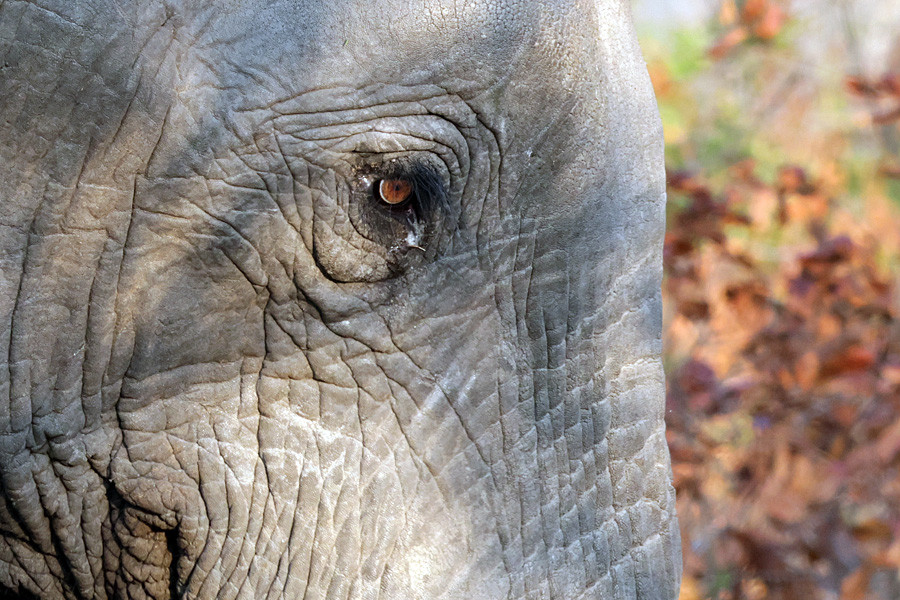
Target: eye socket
394,191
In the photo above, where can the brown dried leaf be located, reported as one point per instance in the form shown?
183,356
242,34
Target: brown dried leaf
886,116
847,360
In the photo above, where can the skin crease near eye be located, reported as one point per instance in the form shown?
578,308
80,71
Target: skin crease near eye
394,191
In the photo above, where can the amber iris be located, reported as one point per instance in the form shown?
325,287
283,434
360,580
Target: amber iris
394,191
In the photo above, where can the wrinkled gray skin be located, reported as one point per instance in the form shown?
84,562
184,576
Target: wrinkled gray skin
229,372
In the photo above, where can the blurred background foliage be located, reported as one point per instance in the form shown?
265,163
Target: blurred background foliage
782,302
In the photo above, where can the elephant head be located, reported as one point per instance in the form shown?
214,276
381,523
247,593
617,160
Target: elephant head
340,299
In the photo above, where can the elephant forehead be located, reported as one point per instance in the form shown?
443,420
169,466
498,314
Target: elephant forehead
470,44
391,23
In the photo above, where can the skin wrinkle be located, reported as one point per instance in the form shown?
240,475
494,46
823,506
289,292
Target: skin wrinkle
268,483
362,435
21,519
234,521
312,545
54,388
268,502
410,446
518,321
535,414
474,442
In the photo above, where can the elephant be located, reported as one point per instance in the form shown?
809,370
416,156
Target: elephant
333,300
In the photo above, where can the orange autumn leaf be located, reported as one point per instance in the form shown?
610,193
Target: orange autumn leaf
771,22
856,585
728,42
753,10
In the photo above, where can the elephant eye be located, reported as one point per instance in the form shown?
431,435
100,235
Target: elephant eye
394,191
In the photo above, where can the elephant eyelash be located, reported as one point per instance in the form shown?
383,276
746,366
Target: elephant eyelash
427,196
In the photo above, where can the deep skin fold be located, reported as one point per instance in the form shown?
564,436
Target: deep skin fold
226,377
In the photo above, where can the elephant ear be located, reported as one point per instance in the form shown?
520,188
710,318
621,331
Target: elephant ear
601,230
632,338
